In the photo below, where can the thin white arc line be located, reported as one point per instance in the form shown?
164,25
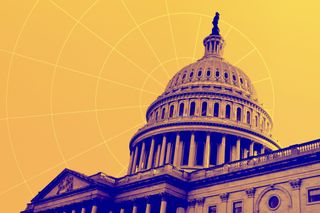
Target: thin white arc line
76,71
172,34
197,38
54,75
245,56
7,92
228,32
144,37
69,159
261,80
106,43
145,80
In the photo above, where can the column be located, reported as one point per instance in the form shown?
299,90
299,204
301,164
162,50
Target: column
135,208
157,155
73,211
249,207
245,153
180,210
222,150
199,205
122,210
142,154
192,151
163,149
130,163
191,206
238,149
207,151
168,154
163,206
151,152
296,199
176,158
148,206
94,209
251,152
133,170
263,149
83,210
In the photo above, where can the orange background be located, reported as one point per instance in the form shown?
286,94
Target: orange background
76,77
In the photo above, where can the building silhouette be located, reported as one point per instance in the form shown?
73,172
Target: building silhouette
206,147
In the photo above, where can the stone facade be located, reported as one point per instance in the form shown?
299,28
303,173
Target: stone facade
206,147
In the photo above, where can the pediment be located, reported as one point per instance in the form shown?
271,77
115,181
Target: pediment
66,182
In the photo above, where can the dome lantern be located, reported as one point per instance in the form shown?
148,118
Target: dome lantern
214,43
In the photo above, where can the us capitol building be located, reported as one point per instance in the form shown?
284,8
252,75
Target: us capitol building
206,147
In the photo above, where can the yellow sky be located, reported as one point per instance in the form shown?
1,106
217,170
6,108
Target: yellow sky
76,77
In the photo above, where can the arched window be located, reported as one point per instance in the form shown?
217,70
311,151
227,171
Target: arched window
163,113
181,109
248,117
204,109
171,111
238,114
228,111
257,121
192,108
157,115
199,73
216,110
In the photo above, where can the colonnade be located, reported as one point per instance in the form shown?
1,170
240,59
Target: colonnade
157,203
76,209
191,149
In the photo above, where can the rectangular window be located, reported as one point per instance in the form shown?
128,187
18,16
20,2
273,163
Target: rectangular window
237,207
313,195
212,209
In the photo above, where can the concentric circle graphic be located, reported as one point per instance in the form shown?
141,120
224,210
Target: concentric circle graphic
94,108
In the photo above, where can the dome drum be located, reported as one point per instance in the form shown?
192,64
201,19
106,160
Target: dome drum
191,149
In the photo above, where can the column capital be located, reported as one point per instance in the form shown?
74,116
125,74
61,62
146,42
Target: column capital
250,192
164,195
200,201
295,184
192,202
224,197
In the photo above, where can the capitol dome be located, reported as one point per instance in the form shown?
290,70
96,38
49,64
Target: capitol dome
208,115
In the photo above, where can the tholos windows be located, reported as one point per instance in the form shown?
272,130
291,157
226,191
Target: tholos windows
204,109
192,108
228,111
216,110
248,117
163,113
181,109
171,111
238,114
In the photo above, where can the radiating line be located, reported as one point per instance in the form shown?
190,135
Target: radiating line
77,71
228,32
246,55
69,159
261,80
172,34
72,112
197,38
106,43
144,36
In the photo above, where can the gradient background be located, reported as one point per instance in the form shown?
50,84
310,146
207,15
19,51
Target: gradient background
76,77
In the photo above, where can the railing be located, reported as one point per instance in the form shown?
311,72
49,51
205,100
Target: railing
282,154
